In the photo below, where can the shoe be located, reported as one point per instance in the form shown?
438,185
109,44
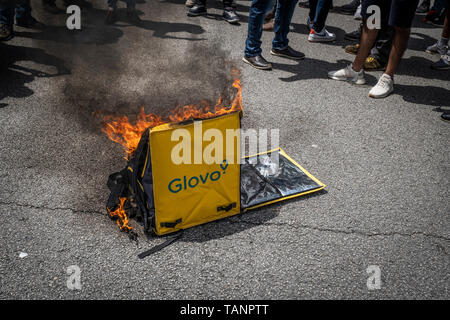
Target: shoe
288,52
50,7
29,22
443,63
303,4
438,21
190,3
352,49
133,17
424,7
445,116
354,35
357,14
431,15
436,48
111,16
268,26
230,16
323,36
350,8
383,88
309,24
348,74
197,10
6,32
258,62
373,64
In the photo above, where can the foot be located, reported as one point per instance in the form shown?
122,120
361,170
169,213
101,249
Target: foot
373,64
288,52
6,32
190,3
383,88
257,62
230,16
438,21
445,116
348,74
350,8
436,48
50,7
29,22
352,48
323,36
197,10
443,63
357,14
111,16
268,26
354,35
423,7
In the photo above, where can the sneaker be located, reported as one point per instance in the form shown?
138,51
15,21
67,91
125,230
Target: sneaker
424,7
197,10
323,36
6,32
230,16
111,16
352,49
445,116
354,35
309,24
357,14
373,64
29,22
383,88
436,48
190,3
443,63
288,52
258,62
350,8
432,14
348,74
303,4
438,21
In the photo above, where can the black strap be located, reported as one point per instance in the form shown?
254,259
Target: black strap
170,224
161,246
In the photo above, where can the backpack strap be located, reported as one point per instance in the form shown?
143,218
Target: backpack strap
161,246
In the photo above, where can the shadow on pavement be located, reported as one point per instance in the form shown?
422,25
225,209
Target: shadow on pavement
426,95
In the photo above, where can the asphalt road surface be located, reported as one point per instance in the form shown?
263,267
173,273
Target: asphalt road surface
385,162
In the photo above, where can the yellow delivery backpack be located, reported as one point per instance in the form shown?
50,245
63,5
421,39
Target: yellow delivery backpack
185,174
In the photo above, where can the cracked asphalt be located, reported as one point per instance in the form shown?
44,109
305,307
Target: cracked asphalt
385,162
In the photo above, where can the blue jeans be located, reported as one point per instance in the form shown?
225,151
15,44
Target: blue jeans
318,13
283,16
21,8
131,4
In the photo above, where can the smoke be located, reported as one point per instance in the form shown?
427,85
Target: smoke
119,69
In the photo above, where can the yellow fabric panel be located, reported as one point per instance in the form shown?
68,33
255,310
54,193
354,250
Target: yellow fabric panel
193,192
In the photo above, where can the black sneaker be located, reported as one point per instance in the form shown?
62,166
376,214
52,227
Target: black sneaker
111,17
288,53
6,32
350,8
438,21
230,16
353,36
50,7
445,116
257,62
29,22
197,10
424,7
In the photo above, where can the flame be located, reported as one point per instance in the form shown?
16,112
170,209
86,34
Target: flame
122,219
119,128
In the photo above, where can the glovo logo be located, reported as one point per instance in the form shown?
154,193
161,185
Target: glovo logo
179,184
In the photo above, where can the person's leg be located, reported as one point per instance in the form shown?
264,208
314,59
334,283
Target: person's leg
229,14
312,9
23,9
323,7
257,12
7,12
382,48
444,62
368,38
283,17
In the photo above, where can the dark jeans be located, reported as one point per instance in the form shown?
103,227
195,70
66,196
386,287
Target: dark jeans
226,3
21,8
131,4
318,13
283,16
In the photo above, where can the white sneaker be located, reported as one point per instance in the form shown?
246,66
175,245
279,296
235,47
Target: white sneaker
323,36
383,88
436,48
348,74
358,15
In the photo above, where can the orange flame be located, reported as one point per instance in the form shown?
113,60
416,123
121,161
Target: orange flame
120,130
122,219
